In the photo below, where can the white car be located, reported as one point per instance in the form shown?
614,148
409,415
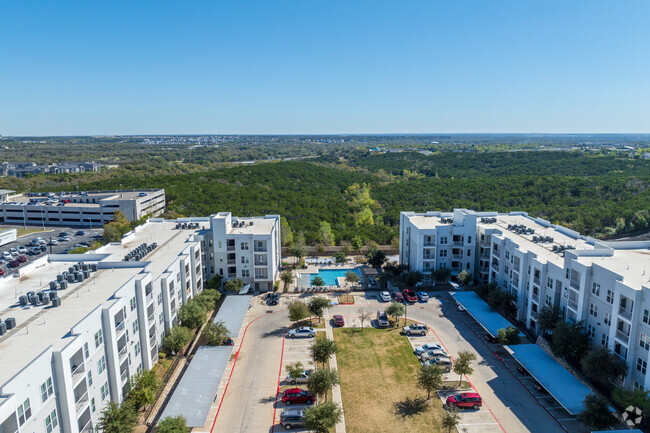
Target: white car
6,256
22,250
384,297
303,331
14,252
438,353
41,241
427,347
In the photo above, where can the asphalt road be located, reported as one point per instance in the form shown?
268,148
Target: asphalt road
55,249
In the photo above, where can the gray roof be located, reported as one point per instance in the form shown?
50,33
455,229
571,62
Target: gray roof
232,312
489,319
198,387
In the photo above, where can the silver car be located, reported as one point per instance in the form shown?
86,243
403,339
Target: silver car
300,379
426,347
291,418
384,297
303,331
439,353
382,320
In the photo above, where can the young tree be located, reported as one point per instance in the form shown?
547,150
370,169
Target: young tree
395,309
295,369
286,235
340,257
463,277
346,247
323,418
357,244
118,418
596,413
325,234
216,334
547,318
412,278
363,316
144,387
177,339
208,299
352,277
602,366
509,335
463,365
317,281
192,314
320,381
173,424
317,306
441,275
298,310
376,257
298,248
234,285
570,340
322,349
429,378
624,398
287,278
450,420
320,248
214,283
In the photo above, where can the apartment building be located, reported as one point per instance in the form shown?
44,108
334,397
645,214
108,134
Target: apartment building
245,248
83,209
435,240
64,361
604,284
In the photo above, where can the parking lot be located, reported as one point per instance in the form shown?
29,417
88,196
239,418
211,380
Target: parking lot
49,232
250,403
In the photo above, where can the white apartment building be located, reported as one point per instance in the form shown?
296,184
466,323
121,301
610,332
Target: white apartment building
434,240
244,248
604,284
61,365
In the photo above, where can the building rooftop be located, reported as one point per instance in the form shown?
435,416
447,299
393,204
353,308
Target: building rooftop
97,195
632,264
38,328
251,226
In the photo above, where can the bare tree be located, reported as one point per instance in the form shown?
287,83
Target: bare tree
363,316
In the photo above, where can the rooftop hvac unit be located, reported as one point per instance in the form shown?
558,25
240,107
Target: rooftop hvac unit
45,299
3,328
33,300
85,267
10,322
30,294
54,285
63,285
60,278
22,299
93,267
250,223
86,274
56,302
70,278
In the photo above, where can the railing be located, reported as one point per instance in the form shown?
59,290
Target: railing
260,249
265,263
625,313
119,326
484,270
536,280
88,428
428,257
625,338
122,352
230,248
78,372
261,276
150,317
485,255
149,298
495,266
153,343
429,243
232,262
575,284
124,375
81,401
534,314
536,297
573,305
231,275
458,243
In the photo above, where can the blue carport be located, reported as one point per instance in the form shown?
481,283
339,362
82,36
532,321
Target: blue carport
489,319
232,312
556,379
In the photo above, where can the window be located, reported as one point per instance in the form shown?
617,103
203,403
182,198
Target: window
101,365
610,296
646,317
469,239
92,404
549,283
24,412
469,253
132,303
244,245
607,318
99,338
595,289
644,342
568,272
46,389
641,365
137,349
244,260
245,273
638,386
605,339
159,298
593,309
443,253
507,255
160,318
548,300
443,240
90,377
104,391
51,422
135,327
86,353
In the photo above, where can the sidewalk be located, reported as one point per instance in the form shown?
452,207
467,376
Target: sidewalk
336,390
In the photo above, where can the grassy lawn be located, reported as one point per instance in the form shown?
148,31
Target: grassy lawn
20,231
312,321
346,299
377,369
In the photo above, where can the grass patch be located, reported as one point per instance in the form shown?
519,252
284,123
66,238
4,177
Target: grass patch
378,386
453,384
21,231
312,321
346,299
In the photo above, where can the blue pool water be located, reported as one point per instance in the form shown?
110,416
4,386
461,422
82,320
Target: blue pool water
328,275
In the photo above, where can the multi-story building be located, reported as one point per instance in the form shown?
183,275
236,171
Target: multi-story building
604,284
435,240
84,209
64,361
244,248
20,169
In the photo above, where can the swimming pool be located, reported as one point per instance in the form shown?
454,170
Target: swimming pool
329,276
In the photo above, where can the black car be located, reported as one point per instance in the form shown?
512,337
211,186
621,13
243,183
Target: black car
64,234
491,339
273,298
43,247
80,233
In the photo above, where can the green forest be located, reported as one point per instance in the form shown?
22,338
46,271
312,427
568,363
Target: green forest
362,193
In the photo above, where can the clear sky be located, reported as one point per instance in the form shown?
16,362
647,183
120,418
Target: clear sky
323,66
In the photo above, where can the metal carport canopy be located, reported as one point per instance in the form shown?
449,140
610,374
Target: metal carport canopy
556,379
489,319
197,390
232,312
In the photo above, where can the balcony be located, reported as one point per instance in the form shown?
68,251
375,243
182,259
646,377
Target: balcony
625,313
573,305
260,249
232,261
430,243
261,263
428,257
484,270
230,248
149,298
625,338
78,373
457,256
119,327
495,266
458,243
81,401
575,284
124,375
485,255
153,343
122,353
534,314
88,428
535,297
536,281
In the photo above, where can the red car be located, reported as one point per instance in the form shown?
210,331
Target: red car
14,263
338,320
21,258
465,399
409,295
297,396
398,297
2,271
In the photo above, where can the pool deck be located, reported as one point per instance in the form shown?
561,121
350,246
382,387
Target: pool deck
343,285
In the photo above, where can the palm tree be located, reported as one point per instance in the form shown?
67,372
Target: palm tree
287,278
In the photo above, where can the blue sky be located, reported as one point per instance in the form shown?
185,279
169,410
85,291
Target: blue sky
308,66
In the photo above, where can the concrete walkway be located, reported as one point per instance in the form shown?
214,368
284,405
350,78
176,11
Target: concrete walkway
336,390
